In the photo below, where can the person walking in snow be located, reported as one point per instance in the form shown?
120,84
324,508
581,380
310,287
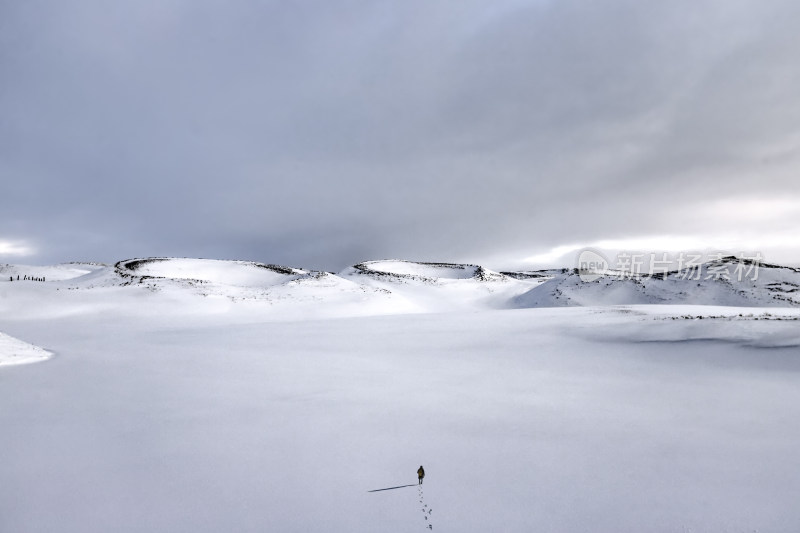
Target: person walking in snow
420,474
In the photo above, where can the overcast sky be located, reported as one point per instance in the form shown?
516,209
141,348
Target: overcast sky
322,133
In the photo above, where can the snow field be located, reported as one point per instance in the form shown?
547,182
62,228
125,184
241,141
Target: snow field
186,402
525,420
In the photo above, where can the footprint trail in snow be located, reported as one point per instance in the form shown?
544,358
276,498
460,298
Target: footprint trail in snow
426,511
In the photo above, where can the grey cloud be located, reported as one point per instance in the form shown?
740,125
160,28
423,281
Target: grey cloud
319,134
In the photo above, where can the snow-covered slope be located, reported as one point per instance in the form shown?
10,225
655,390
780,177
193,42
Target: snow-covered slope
16,352
438,287
61,272
714,283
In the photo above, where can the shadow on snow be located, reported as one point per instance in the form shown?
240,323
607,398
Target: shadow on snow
392,488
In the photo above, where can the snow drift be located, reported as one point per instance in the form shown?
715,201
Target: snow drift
16,352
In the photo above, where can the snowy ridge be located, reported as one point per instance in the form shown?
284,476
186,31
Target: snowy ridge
237,273
430,272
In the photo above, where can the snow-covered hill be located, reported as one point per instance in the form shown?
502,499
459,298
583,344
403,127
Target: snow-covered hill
381,287
265,291
726,281
438,287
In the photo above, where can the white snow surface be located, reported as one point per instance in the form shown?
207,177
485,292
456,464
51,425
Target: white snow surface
211,399
16,352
